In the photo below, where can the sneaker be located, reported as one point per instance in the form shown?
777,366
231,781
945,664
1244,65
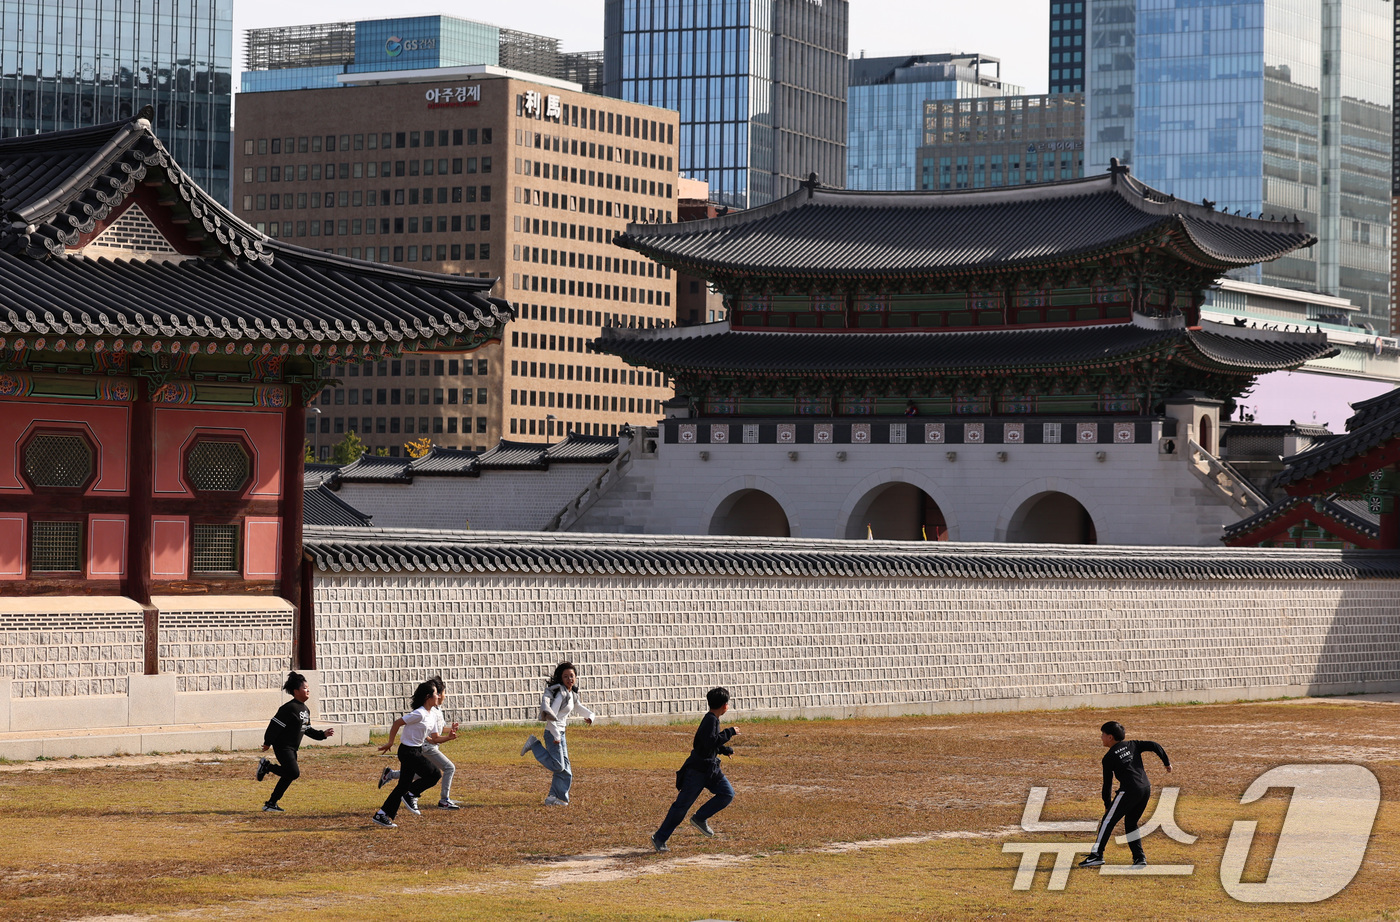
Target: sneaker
448,805
552,801
529,744
264,766
386,776
411,805
1139,863
1093,861
382,819
658,844
703,826
272,808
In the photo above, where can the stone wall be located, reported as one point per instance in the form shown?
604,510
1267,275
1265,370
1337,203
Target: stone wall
217,643
56,648
648,646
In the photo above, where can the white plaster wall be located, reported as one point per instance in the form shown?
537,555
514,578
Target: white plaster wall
1135,496
648,648
496,501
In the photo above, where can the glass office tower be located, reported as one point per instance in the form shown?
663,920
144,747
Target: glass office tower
1276,107
885,110
86,62
760,86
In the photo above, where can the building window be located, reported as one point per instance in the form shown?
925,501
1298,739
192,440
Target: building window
58,460
55,547
217,466
214,549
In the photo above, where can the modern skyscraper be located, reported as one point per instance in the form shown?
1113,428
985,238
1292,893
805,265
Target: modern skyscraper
87,62
1263,107
885,110
1006,141
1067,51
476,171
760,86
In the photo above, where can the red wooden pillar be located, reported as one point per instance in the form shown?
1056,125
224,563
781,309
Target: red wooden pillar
1390,529
141,464
293,473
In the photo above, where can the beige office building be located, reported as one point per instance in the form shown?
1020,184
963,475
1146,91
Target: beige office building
486,172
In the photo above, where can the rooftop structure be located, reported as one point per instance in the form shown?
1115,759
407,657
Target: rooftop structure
323,54
1003,141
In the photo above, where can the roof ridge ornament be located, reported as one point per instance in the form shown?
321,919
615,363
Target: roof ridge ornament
812,184
1116,169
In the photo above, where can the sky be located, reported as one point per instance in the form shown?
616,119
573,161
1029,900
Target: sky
880,28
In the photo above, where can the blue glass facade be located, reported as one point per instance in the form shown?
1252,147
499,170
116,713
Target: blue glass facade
86,62
885,112
1235,103
290,78
755,116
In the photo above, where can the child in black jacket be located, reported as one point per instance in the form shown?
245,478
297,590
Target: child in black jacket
1123,761
701,771
283,736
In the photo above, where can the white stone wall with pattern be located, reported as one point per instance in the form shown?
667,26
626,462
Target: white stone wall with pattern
647,648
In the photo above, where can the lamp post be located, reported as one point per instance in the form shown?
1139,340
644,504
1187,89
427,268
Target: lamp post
549,428
316,434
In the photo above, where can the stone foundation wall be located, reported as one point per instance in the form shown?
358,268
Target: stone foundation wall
82,647
648,647
214,647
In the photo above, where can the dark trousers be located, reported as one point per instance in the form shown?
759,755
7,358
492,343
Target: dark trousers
416,775
1128,806
691,785
285,769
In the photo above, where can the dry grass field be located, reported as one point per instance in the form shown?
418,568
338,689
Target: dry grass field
893,819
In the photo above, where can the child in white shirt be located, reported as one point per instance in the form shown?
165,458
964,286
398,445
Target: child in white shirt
559,703
436,723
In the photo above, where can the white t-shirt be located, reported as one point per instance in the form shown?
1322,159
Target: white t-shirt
416,726
436,724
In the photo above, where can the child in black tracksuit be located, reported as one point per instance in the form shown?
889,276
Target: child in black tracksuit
1123,761
283,736
701,771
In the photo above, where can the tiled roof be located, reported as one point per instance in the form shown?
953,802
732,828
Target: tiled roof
583,449
378,549
374,469
242,290
1349,513
321,506
824,232
716,348
449,461
1365,412
1379,431
314,474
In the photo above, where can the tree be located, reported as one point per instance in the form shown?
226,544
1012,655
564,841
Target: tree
381,452
349,449
418,447
309,453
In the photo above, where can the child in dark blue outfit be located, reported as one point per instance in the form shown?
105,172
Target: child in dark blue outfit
701,771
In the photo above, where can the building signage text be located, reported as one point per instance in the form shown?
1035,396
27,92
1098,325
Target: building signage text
452,96
538,105
1055,145
395,46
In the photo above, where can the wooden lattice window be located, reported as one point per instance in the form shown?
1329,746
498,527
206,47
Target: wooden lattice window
56,547
58,460
218,466
214,549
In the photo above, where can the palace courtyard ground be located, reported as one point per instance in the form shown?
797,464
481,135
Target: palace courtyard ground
888,819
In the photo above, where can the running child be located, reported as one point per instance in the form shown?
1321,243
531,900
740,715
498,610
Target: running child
1123,761
436,723
283,737
701,772
559,703
416,773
